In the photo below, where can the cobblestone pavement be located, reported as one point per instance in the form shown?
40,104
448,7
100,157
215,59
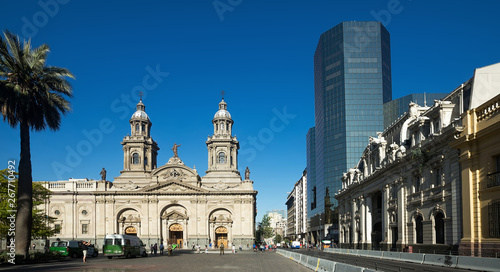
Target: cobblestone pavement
181,261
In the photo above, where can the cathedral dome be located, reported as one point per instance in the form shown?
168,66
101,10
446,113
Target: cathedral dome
140,113
222,112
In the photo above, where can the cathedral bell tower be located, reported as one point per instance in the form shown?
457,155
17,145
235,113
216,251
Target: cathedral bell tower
139,149
222,148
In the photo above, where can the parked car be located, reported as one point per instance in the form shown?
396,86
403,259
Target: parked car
67,248
92,251
116,245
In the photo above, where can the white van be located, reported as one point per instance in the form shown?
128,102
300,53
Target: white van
116,245
295,244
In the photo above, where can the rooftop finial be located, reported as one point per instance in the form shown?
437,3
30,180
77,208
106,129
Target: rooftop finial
222,93
141,94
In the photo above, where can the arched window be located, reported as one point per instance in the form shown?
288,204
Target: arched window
222,157
136,127
417,184
439,227
419,229
221,126
135,158
143,128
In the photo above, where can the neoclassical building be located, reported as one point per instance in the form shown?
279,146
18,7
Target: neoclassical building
407,188
167,203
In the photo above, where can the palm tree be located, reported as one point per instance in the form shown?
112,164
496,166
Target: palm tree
33,96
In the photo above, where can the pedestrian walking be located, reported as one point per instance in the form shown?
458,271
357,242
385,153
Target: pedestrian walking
234,249
155,248
197,248
161,248
221,249
206,249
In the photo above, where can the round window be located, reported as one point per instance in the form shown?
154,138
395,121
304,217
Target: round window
57,212
84,212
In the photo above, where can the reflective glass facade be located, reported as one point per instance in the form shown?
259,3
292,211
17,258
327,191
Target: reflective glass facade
352,81
397,107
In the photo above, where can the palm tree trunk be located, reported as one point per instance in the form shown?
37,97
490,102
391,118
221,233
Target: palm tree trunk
24,196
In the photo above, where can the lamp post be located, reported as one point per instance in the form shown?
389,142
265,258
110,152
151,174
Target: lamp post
320,238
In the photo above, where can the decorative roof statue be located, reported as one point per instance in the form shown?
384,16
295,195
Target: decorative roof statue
103,174
247,174
175,149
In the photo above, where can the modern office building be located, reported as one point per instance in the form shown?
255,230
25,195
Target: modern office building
352,81
395,109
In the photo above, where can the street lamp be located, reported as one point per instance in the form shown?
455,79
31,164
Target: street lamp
320,238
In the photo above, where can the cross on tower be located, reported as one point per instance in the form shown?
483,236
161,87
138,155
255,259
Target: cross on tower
222,93
141,94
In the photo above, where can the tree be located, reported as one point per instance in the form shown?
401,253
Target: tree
41,222
277,239
33,96
265,227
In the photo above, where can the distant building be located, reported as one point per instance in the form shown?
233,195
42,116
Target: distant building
406,189
352,81
277,222
297,210
280,212
396,108
479,147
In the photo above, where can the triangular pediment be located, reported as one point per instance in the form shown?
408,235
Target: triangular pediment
174,215
173,187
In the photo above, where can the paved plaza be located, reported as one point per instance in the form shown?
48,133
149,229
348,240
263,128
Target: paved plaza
181,261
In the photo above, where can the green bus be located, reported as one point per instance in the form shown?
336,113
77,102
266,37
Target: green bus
119,245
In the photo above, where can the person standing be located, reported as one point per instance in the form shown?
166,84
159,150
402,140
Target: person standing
221,249
85,248
161,248
197,248
155,248
170,252
233,249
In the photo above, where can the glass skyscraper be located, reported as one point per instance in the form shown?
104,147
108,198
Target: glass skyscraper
352,81
397,107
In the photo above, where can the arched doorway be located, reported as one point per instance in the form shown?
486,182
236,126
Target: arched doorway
419,229
221,236
131,231
175,235
439,227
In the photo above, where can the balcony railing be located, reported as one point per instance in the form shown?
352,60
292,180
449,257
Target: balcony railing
493,180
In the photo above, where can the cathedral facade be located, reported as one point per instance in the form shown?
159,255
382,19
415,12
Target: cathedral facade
169,204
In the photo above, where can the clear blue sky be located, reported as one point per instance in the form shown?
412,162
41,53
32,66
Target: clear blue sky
259,52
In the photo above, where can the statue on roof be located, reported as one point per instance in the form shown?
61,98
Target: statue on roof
247,174
175,149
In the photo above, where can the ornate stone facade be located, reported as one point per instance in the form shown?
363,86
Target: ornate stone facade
169,204
405,190
412,181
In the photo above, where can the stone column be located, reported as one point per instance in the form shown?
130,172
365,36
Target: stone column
369,223
362,221
385,218
402,238
354,224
